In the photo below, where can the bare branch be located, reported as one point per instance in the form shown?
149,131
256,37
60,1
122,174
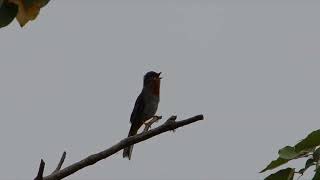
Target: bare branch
60,162
169,125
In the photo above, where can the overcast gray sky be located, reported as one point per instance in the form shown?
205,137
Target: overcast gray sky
69,80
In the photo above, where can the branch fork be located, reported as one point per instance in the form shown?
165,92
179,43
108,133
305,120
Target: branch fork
42,165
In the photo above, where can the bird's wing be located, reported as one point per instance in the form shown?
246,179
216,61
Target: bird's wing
138,109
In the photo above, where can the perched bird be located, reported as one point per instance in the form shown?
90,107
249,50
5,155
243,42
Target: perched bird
145,106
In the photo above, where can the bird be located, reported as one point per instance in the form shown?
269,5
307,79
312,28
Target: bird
145,107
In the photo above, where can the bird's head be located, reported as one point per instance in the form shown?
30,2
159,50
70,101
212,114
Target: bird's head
151,77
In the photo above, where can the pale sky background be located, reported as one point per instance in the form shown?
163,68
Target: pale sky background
69,80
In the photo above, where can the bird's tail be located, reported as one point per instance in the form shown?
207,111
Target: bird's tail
128,150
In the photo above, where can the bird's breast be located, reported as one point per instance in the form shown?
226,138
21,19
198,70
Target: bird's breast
151,105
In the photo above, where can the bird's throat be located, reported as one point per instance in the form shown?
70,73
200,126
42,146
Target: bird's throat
156,87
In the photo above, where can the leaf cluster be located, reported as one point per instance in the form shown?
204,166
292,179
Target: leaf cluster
23,10
308,148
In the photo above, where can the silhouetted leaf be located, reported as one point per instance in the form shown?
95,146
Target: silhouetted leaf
316,155
275,163
284,174
309,163
8,12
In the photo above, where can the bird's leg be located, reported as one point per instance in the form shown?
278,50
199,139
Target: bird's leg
149,123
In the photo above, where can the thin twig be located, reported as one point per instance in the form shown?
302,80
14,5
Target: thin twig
40,172
60,162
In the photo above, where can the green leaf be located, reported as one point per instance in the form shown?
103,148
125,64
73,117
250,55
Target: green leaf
284,174
8,12
275,163
288,152
310,142
299,150
316,175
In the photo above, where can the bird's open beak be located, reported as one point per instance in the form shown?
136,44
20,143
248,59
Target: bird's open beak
159,75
